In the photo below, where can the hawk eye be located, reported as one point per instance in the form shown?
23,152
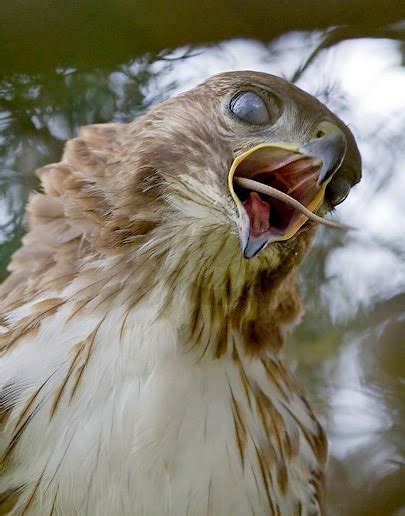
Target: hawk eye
337,190
249,107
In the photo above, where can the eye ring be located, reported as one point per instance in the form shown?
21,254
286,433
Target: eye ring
249,107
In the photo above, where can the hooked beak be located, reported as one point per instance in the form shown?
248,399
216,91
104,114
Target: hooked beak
301,172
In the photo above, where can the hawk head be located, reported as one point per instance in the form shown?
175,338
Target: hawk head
190,150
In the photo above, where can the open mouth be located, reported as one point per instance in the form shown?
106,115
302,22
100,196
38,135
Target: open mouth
289,172
265,218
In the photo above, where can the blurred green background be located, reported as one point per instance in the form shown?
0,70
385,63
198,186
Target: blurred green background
67,64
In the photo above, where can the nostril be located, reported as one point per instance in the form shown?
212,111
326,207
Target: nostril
320,134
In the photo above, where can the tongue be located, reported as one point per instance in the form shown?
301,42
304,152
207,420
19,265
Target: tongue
259,214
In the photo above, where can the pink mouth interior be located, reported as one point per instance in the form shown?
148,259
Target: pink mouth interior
289,172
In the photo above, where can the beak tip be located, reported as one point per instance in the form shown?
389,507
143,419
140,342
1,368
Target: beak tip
253,247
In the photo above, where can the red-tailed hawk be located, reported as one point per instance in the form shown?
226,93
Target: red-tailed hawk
142,324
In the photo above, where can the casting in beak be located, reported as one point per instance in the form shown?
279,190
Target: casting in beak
300,172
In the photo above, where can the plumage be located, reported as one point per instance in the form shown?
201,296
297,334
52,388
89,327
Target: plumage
141,354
